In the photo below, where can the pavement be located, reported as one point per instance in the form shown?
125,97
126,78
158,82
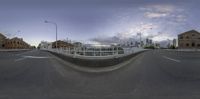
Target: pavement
156,74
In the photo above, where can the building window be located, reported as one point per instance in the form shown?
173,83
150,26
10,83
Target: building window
187,37
181,37
193,44
193,34
187,44
198,45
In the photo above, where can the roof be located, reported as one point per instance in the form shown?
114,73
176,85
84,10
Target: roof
16,38
191,31
2,35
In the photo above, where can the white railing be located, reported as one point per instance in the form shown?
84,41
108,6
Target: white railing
96,53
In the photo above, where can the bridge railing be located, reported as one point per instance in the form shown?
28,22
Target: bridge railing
95,53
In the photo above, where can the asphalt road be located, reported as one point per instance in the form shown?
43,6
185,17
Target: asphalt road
154,74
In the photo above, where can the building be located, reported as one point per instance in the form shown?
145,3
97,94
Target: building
62,44
189,39
16,43
174,42
45,45
78,44
2,41
149,42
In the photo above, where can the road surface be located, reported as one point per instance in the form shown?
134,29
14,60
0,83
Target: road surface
157,74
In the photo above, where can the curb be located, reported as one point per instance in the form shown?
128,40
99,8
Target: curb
15,50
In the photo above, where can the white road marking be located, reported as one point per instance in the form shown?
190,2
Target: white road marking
25,57
171,59
20,59
35,57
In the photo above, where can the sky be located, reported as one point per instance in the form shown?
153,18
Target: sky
101,21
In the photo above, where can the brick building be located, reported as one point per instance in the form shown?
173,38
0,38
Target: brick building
62,44
2,41
189,40
14,43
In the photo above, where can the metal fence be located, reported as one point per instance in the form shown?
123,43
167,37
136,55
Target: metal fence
95,52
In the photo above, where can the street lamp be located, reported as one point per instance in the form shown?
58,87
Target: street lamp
55,26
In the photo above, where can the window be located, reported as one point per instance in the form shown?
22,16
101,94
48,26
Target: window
198,45
193,44
187,37
193,34
187,44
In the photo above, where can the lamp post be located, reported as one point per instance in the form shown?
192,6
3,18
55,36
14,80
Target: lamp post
55,26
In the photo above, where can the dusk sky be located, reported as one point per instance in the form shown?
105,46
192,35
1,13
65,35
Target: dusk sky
97,20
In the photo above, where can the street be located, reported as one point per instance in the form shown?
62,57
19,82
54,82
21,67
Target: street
156,74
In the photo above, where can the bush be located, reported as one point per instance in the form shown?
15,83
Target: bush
149,47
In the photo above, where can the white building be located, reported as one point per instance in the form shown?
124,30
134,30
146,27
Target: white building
45,45
175,42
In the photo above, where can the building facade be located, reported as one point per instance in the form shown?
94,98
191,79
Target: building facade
174,42
14,43
62,44
189,40
77,44
2,41
45,45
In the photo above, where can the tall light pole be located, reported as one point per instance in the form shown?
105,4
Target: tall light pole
56,29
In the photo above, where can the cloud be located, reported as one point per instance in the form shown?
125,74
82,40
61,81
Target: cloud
162,37
165,12
106,40
132,35
155,15
158,18
157,11
128,35
180,18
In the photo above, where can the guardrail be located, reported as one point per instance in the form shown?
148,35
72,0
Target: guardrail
95,61
95,53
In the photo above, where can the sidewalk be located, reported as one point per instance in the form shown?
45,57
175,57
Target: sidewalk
189,50
13,50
